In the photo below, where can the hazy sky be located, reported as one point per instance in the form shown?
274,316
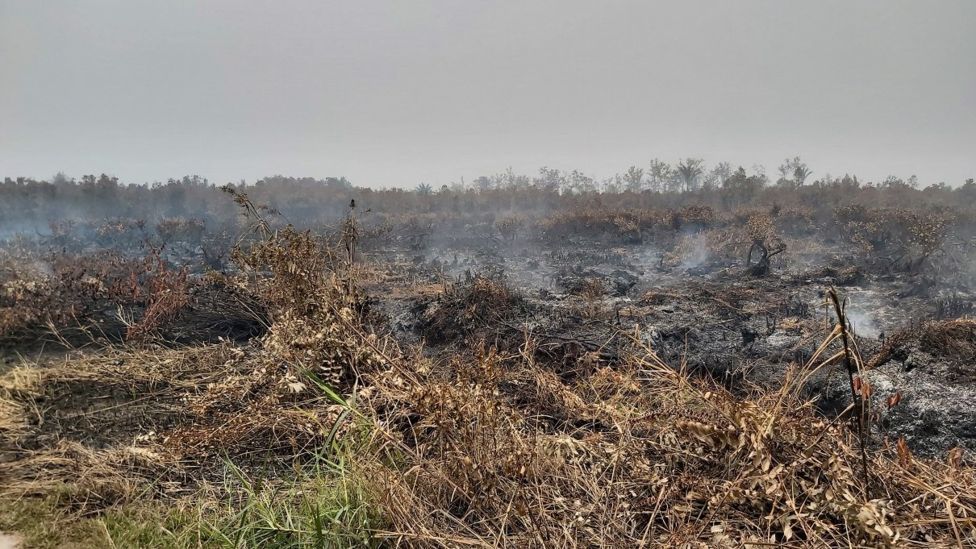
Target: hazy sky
404,91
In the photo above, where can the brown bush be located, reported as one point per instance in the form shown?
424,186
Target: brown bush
472,306
180,229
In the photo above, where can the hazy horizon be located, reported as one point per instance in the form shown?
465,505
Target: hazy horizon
394,94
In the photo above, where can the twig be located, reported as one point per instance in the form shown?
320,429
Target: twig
851,372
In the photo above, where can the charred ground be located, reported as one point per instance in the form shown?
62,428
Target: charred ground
498,366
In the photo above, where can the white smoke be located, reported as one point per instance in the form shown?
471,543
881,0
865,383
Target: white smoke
698,254
863,324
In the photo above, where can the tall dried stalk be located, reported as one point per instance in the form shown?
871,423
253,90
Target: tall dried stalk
859,393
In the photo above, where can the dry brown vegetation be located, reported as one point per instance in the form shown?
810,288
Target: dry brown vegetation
489,448
271,404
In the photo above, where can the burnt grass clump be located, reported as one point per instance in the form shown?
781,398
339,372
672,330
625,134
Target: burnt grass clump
743,366
477,305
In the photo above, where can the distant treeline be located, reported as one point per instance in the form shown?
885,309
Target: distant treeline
28,205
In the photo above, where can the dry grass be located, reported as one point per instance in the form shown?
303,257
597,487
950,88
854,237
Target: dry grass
508,454
955,338
482,450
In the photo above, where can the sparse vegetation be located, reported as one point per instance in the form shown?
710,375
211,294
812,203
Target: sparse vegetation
419,368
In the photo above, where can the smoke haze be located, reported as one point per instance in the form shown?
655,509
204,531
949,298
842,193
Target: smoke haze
398,93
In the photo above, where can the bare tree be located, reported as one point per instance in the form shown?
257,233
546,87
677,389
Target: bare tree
720,174
660,175
550,179
579,182
634,179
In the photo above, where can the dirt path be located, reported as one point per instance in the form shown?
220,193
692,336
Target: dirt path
9,541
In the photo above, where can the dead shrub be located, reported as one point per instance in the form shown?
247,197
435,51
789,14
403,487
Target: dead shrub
642,455
695,217
623,225
895,239
121,233
314,308
76,295
765,243
164,292
510,227
951,338
591,290
795,221
180,230
479,302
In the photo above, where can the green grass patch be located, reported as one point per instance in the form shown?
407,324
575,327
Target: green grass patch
324,505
